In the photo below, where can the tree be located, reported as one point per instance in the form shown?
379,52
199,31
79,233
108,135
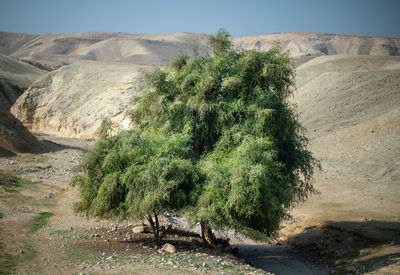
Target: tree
214,138
135,175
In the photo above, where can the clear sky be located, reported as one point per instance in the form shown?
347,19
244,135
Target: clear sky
246,17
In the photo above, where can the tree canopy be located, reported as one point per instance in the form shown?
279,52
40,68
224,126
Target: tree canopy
213,137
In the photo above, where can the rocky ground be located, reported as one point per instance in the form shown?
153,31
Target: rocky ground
70,244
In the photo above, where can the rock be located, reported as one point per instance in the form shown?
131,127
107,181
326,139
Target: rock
168,248
140,229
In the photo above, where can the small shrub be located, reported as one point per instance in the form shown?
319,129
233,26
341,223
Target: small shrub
41,221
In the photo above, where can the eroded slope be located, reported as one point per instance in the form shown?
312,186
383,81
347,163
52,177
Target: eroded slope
73,100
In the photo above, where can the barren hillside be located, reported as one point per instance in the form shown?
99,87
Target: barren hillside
131,48
158,49
315,44
73,100
351,109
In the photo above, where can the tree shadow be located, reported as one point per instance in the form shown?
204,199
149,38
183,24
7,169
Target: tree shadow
124,241
45,146
279,259
6,153
351,246
50,146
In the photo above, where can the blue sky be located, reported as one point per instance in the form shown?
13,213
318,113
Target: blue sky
246,17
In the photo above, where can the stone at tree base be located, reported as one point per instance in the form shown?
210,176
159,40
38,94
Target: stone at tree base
140,229
168,248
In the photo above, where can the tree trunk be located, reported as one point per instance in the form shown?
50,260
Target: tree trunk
154,227
157,228
207,235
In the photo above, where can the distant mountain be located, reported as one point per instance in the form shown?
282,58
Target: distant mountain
158,49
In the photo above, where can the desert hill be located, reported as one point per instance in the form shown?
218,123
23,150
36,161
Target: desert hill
316,44
131,48
73,100
158,49
351,108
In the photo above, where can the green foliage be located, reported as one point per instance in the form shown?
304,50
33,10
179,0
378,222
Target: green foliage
214,137
41,221
135,174
220,43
